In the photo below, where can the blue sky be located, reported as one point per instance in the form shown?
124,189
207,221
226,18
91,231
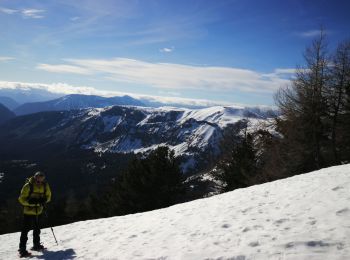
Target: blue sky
229,51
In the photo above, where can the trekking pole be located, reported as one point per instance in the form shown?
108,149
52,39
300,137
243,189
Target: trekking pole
53,233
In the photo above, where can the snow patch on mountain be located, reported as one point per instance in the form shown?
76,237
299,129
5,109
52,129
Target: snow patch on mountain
302,217
111,122
197,127
187,132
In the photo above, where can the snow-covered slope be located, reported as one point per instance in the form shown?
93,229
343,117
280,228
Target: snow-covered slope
303,217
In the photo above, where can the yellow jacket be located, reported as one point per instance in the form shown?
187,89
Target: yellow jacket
37,192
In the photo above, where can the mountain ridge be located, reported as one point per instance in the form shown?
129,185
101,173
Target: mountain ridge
74,102
192,134
5,114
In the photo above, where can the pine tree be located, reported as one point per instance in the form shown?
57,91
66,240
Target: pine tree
237,168
148,183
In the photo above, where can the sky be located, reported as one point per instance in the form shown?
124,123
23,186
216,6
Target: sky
228,51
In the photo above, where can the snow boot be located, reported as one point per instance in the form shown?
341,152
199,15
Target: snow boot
24,253
39,247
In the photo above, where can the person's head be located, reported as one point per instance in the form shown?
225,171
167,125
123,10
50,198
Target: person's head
39,177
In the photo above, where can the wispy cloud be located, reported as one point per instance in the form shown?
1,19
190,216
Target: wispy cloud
173,76
26,13
281,73
75,18
33,13
167,50
8,11
309,34
106,18
64,69
6,58
285,71
169,93
66,89
58,88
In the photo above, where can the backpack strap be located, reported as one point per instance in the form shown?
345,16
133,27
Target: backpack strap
45,184
30,187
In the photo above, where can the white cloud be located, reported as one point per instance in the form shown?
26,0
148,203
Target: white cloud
26,13
59,88
285,71
63,69
75,18
281,73
6,58
173,76
65,89
8,11
169,93
33,13
167,50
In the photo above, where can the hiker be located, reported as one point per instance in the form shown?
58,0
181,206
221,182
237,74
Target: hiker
34,195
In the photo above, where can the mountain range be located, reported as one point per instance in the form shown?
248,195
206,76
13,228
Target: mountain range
75,101
194,135
26,93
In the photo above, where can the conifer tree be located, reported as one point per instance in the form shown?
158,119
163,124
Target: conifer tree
149,183
237,167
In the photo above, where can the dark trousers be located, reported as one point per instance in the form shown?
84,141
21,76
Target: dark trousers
30,222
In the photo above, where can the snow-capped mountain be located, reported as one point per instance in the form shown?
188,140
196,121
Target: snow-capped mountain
302,217
194,135
5,114
75,101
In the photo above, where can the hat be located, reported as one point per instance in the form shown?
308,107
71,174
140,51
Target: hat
37,174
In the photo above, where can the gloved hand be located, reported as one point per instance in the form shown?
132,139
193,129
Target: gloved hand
36,201
33,201
42,201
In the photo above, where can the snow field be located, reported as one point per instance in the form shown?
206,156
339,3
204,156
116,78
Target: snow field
302,217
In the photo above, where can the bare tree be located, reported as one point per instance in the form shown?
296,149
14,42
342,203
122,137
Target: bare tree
340,80
303,108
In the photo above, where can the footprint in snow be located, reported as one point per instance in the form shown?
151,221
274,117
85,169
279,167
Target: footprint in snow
343,212
246,229
246,210
280,221
337,188
312,222
254,244
289,245
317,244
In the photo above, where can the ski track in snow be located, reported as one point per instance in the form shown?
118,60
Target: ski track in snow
302,217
